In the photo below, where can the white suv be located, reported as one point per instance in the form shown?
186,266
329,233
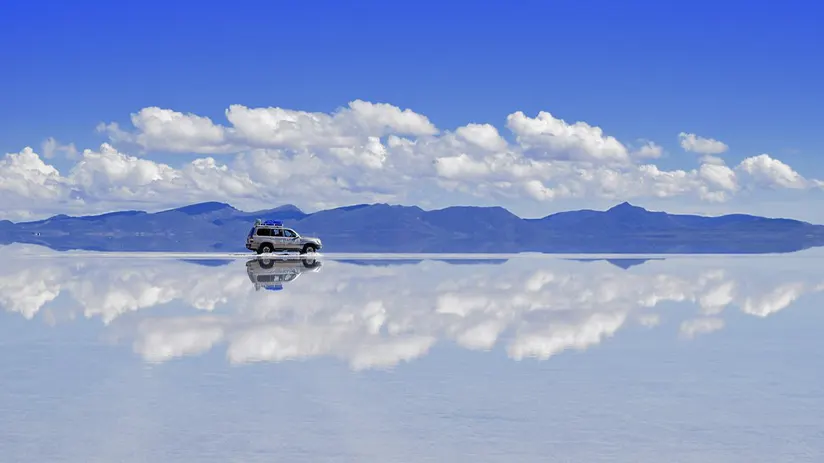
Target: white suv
270,236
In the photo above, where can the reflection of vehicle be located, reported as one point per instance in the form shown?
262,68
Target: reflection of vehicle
271,274
271,236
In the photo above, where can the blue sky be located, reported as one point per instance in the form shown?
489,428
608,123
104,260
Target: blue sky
747,74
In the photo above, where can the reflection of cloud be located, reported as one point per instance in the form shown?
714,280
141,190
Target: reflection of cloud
546,342
714,300
26,290
108,288
776,299
374,316
650,320
165,339
691,328
481,336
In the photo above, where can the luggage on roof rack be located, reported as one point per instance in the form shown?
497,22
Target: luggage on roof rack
276,223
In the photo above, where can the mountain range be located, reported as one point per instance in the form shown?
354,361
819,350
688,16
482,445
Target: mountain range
624,228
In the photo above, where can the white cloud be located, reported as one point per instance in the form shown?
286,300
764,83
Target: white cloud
51,147
27,184
710,159
772,172
110,174
485,136
164,129
649,150
697,144
718,175
385,119
160,129
366,152
107,178
554,138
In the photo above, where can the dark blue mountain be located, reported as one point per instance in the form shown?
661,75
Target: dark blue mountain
624,228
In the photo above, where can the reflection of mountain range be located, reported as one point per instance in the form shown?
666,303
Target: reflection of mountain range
380,315
620,263
393,262
382,228
208,262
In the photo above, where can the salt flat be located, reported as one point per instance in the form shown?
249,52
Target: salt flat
123,357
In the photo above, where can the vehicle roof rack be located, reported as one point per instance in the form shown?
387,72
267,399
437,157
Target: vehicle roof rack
276,223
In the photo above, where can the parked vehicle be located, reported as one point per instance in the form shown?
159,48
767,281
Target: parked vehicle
271,236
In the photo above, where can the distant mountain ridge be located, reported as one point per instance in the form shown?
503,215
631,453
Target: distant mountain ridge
624,228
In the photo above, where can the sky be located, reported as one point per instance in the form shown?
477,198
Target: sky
702,107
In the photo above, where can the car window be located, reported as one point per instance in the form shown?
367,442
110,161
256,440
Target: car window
289,233
264,232
276,232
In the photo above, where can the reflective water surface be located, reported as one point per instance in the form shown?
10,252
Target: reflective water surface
682,359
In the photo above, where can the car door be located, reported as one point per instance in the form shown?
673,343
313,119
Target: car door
277,239
290,239
262,235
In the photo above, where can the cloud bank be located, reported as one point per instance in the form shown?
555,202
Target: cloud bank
365,152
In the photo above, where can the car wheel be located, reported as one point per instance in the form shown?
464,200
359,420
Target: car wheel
307,249
266,248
